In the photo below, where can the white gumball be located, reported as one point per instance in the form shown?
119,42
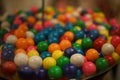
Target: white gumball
39,15
77,59
107,49
54,21
75,14
11,39
35,62
5,25
21,59
23,15
29,34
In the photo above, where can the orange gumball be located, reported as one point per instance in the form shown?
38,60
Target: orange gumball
92,54
30,41
73,20
61,18
70,35
20,51
21,43
31,20
64,44
118,49
19,33
52,47
23,27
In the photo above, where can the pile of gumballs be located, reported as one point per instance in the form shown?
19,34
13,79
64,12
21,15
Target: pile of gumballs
71,43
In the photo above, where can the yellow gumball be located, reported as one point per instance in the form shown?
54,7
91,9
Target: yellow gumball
115,56
99,20
33,53
79,41
57,53
109,39
49,62
101,15
69,9
104,32
77,27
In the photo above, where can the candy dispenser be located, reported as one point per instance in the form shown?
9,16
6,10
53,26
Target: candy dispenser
61,40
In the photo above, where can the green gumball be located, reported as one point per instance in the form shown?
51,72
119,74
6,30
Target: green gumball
80,23
33,31
54,72
87,43
42,46
76,45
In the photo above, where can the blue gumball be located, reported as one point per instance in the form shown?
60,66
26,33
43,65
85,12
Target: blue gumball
60,31
68,26
79,34
69,52
85,30
79,74
7,46
25,72
57,27
45,54
54,34
79,51
14,26
39,37
40,74
53,40
69,70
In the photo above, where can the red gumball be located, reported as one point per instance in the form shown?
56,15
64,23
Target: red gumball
34,9
98,43
48,24
110,59
115,40
5,36
92,27
9,67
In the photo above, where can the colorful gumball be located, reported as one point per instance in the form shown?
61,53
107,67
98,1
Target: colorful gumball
42,46
77,60
52,47
19,33
19,50
11,39
118,49
64,44
35,62
21,59
45,54
31,48
31,20
88,68
79,35
115,56
32,53
49,62
30,41
55,72
70,35
115,41
110,60
57,53
107,49
92,55
29,34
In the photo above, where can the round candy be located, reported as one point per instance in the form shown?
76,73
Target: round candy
77,60
21,59
118,49
57,53
63,60
55,72
49,62
110,60
69,70
115,56
88,68
115,41
107,49
25,72
64,44
92,55
79,34
69,52
11,39
42,46
70,35
9,67
52,47
101,64
76,45
31,48
40,73
31,20
79,41
45,54
19,33
33,53
7,46
79,51
30,41
35,62
21,43
19,50
29,34
39,37
87,43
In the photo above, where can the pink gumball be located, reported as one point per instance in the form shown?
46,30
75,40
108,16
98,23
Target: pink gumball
85,59
48,24
92,27
31,48
17,21
6,36
34,9
88,68
84,18
38,27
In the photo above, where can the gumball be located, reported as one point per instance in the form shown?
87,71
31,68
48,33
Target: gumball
64,38
53,34
79,51
40,73
25,72
23,27
63,60
7,46
48,23
76,45
69,70
77,60
118,49
104,32
38,27
79,41
39,37
73,20
57,53
6,36
34,9
21,43
7,54
20,59
61,18
92,55
69,52
79,74
30,41
93,34
99,42
19,50
87,43
32,53
68,26
5,24
80,23
115,41
88,68
31,20
101,64
11,39
54,72
70,35
2,32
19,33
64,44
31,48
53,40
52,47
29,34
9,67
110,60
107,49
45,54
115,56
49,62
33,31
79,34
35,62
